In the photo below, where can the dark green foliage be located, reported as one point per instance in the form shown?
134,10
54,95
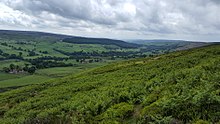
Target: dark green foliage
181,87
31,70
87,55
43,62
32,53
6,69
18,69
117,113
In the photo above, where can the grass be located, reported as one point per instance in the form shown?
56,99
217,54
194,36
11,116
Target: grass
6,76
1,57
48,46
68,47
24,80
65,71
42,75
8,50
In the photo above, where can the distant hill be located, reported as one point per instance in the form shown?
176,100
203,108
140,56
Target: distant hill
143,41
11,34
65,38
127,44
104,41
180,87
172,44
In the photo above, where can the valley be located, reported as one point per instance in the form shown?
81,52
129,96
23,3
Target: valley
181,87
109,62
35,57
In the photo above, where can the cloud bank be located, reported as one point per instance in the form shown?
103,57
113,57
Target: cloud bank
121,19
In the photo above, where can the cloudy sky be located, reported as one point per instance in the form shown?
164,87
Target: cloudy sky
120,19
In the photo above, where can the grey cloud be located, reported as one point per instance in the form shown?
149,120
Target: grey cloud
141,17
216,1
94,11
67,8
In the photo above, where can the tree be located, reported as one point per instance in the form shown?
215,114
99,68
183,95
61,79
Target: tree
5,69
12,66
32,53
45,52
31,70
90,61
20,54
25,68
4,44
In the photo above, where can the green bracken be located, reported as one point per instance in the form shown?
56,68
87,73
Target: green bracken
180,87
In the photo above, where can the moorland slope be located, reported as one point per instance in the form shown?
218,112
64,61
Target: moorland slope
180,87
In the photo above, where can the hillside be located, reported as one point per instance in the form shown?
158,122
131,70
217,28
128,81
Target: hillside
28,57
24,35
180,87
104,41
170,44
50,57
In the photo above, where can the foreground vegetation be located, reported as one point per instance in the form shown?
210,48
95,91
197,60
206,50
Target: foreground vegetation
181,87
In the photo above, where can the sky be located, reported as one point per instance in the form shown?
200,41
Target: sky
197,20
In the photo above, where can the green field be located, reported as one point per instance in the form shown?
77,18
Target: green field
23,80
50,46
13,44
42,75
6,76
65,71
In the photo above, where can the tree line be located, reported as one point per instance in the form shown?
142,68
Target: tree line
19,69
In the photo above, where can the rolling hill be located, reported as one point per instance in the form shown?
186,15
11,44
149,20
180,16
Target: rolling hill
54,55
24,35
177,44
40,49
179,87
103,41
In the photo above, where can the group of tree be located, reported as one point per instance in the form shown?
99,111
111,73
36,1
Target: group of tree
18,69
44,52
32,53
40,64
11,56
44,58
24,42
89,60
89,55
